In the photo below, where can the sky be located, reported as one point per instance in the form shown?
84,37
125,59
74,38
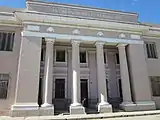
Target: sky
148,10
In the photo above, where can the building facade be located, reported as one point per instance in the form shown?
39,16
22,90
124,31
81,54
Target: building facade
59,57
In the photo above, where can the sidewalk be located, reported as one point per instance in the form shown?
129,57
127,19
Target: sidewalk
88,116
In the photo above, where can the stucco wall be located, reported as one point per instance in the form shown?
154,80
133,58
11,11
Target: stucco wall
154,65
8,64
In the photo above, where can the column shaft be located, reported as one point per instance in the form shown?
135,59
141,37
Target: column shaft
124,75
127,103
101,77
76,107
48,75
75,73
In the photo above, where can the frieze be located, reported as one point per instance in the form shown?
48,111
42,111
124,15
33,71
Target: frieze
33,28
81,12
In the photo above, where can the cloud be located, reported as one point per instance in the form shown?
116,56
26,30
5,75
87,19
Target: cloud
134,2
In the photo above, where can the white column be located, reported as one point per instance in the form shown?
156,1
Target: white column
103,106
126,90
48,75
76,107
75,73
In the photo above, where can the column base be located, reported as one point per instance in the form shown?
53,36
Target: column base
104,108
46,109
128,106
77,108
23,110
145,105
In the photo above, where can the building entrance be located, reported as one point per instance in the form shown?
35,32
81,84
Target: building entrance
84,92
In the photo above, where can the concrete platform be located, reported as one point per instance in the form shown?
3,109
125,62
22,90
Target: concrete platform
87,116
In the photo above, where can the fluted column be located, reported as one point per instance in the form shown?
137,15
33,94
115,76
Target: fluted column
126,90
76,107
103,105
48,75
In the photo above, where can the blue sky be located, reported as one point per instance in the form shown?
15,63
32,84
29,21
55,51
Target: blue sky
149,10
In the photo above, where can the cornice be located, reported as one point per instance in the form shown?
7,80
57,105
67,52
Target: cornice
41,18
80,6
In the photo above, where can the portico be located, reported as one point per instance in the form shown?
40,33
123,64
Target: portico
97,44
75,59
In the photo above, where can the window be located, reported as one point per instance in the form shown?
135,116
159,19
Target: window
155,84
117,58
104,57
83,57
60,55
151,50
6,41
60,88
4,79
42,54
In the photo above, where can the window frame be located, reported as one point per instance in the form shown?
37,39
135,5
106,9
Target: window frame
117,59
155,78
151,52
7,47
59,48
83,50
80,57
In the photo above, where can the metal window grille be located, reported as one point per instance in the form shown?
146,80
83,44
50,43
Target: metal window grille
6,41
151,50
4,80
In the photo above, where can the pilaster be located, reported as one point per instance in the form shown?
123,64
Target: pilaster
127,103
27,78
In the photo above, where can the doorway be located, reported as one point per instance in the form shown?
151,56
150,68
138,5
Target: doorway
84,92
40,92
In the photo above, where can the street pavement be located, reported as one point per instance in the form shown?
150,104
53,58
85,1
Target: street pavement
149,117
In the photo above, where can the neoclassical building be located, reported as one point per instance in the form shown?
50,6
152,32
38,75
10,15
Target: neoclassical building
57,58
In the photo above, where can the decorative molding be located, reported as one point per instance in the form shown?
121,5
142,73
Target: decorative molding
135,36
33,28
82,38
122,35
76,32
100,34
50,29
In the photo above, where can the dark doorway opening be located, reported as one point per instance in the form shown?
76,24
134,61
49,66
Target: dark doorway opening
84,92
40,92
120,90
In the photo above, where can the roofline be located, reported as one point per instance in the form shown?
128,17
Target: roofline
81,6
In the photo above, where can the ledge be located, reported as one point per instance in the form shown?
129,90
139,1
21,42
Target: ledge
90,116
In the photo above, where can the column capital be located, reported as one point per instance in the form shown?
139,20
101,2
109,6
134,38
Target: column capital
50,40
122,45
99,44
75,42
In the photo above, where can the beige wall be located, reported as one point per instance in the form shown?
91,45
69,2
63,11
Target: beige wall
8,64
